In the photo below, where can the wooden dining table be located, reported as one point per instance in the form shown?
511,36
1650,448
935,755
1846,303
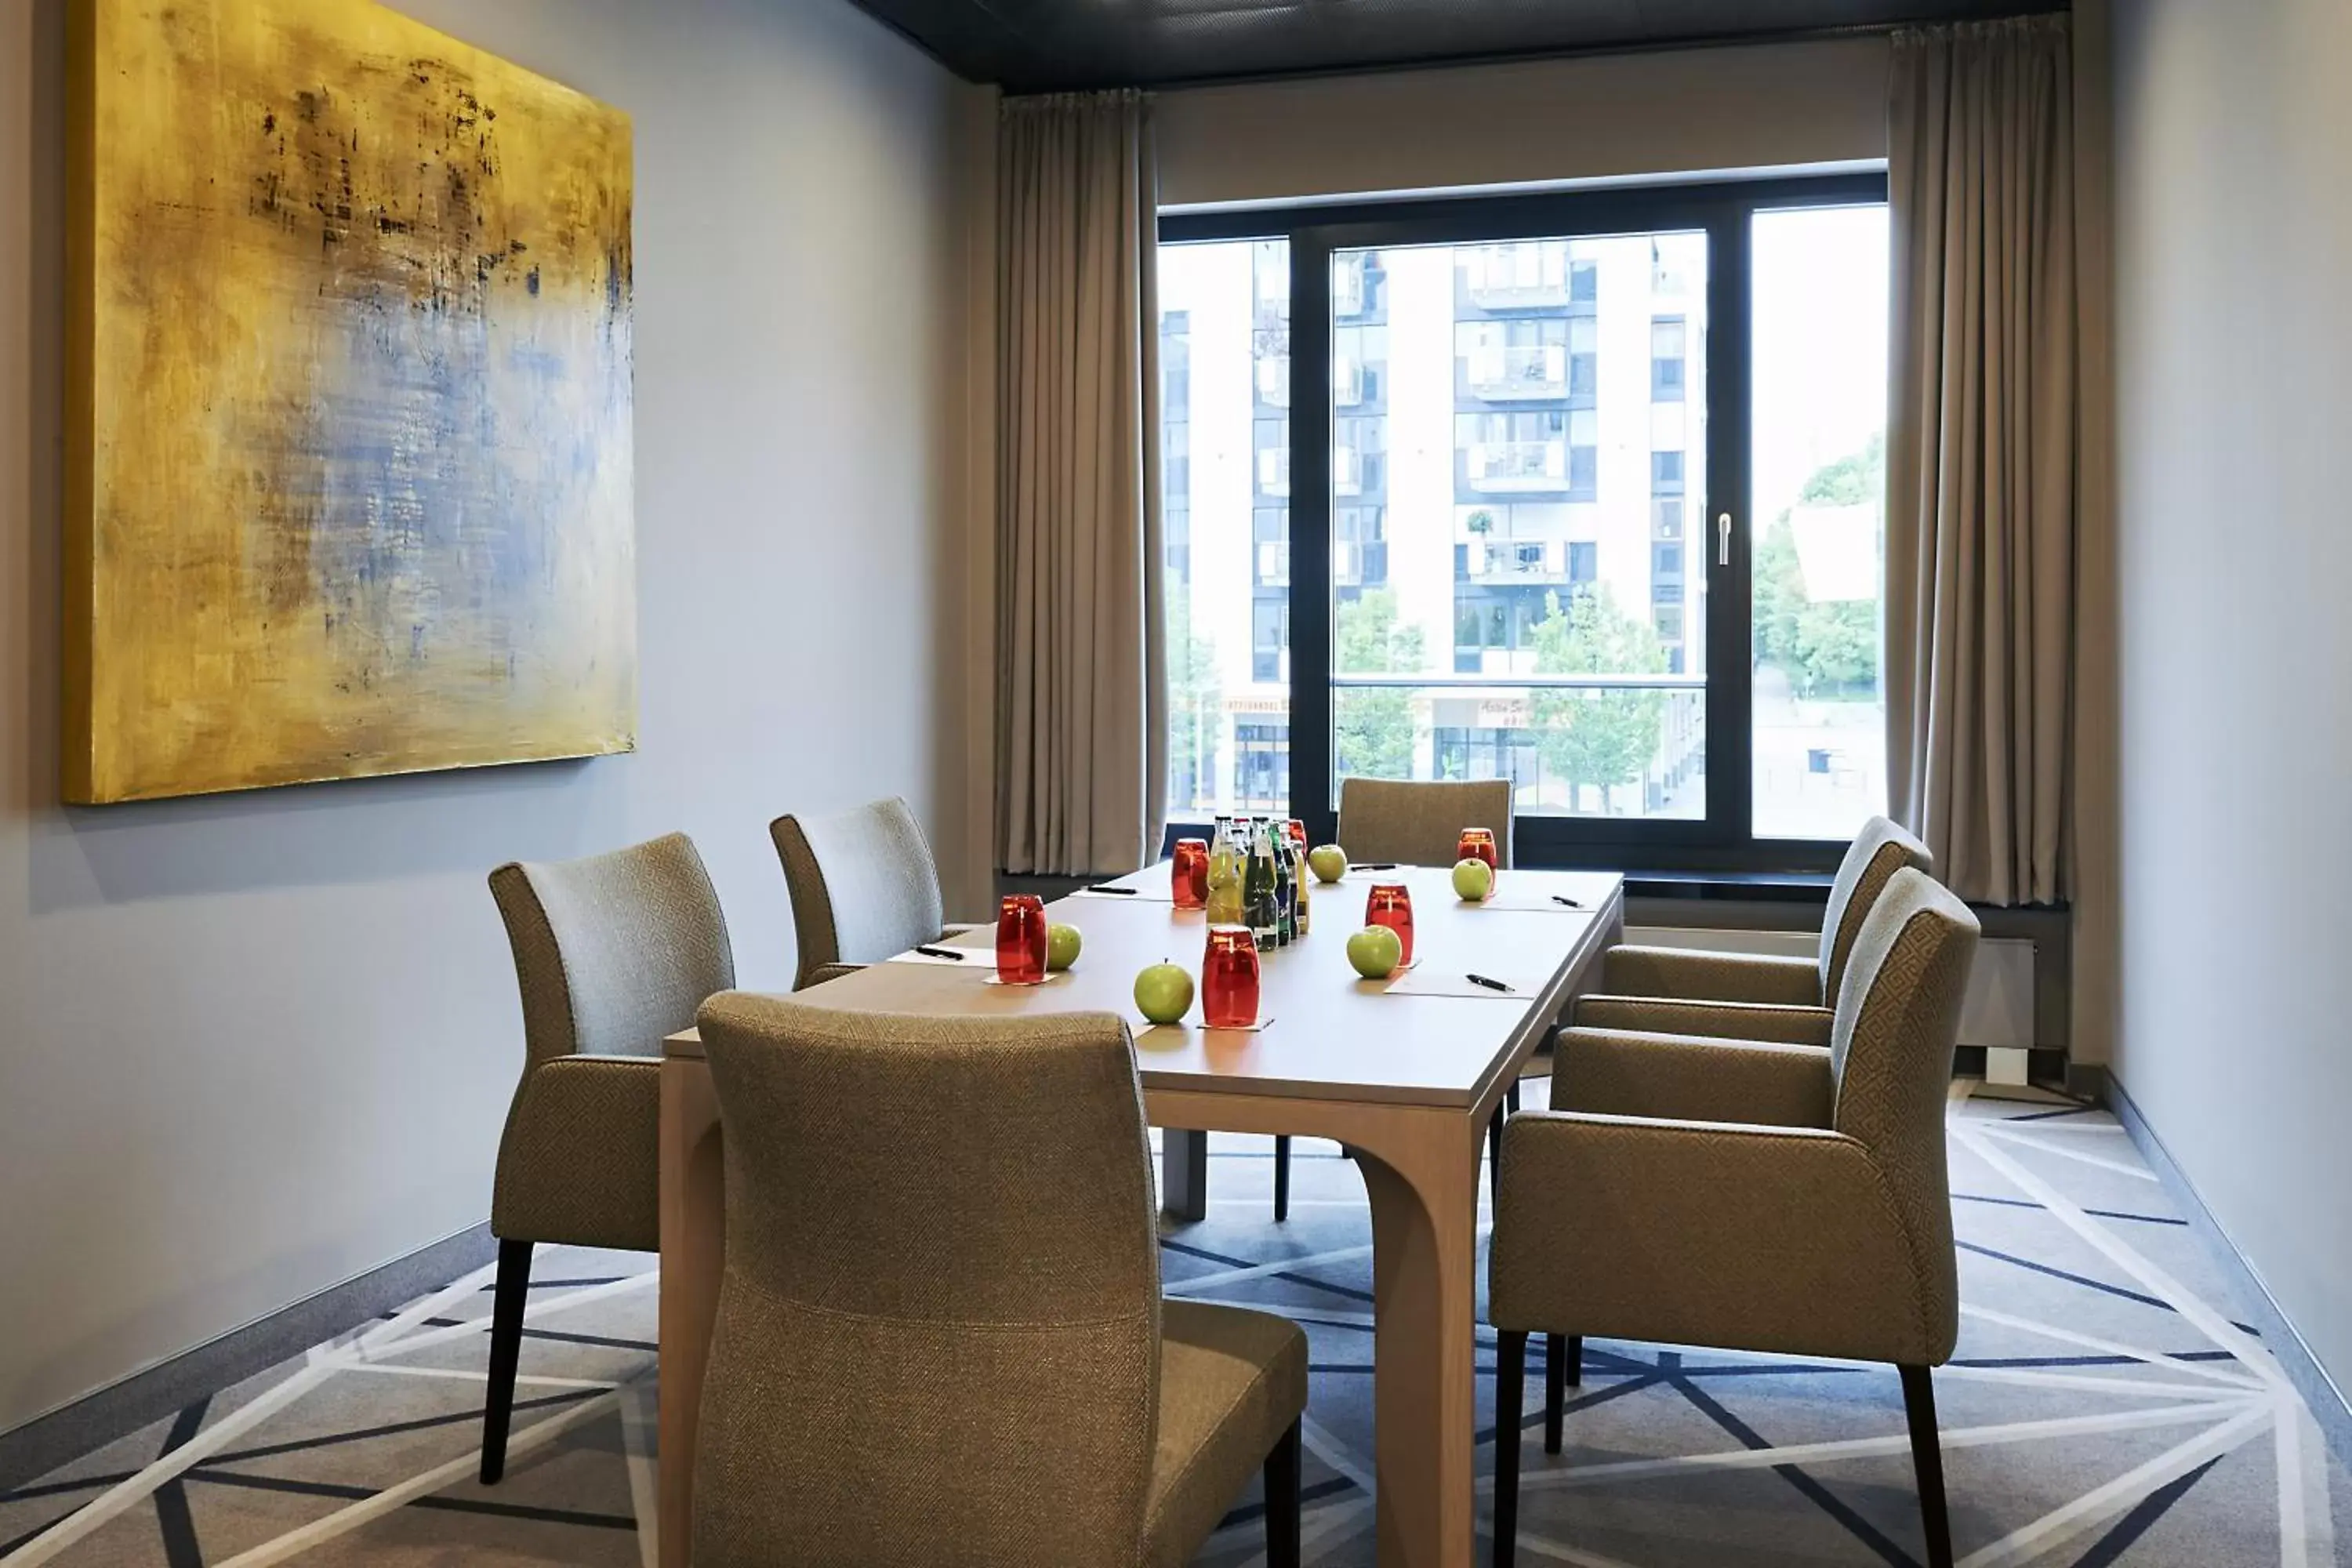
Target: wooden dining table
1406,1072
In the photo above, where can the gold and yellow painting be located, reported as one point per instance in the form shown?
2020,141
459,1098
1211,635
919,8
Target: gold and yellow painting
348,403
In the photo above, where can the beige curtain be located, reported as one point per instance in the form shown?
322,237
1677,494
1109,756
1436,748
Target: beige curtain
1981,469
1081,686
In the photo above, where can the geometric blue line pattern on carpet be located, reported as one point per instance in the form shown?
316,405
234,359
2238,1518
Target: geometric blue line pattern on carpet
2105,1409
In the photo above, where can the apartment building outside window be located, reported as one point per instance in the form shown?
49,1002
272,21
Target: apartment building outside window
1471,497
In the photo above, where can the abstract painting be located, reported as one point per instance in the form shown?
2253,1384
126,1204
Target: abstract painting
348,403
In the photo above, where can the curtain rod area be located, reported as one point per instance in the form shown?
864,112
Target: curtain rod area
1690,43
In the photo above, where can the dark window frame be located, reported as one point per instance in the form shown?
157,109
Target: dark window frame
1724,839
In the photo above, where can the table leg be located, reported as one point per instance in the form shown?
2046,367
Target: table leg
693,1257
1184,1173
1424,1200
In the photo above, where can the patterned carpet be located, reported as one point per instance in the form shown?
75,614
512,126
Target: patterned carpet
2106,1407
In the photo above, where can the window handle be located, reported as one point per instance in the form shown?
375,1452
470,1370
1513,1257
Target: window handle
1723,539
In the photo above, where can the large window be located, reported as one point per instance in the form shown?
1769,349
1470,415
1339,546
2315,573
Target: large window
1537,488
1817,491
1225,382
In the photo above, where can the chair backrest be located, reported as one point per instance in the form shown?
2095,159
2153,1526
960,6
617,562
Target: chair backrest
1878,851
863,882
1420,824
1897,1023
938,1336
613,951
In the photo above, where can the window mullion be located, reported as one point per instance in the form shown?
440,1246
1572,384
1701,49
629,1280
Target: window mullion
1730,686
1312,786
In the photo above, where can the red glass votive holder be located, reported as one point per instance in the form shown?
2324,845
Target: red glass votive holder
1020,940
1478,844
1188,875
1390,904
1229,978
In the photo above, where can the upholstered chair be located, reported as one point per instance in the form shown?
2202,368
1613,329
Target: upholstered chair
613,953
1753,1196
1420,824
864,885
940,1335
1681,991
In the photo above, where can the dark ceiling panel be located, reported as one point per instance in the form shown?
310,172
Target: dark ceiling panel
1045,46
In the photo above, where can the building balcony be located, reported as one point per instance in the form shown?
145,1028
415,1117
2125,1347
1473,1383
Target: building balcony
1347,285
1516,277
1501,468
1273,470
1272,563
1273,380
1503,374
1347,471
1346,383
1518,560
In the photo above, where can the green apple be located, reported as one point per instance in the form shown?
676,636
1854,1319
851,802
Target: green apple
1163,993
1328,862
1062,944
1375,951
1472,880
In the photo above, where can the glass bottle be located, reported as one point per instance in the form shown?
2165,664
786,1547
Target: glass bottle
1285,888
1221,851
1264,912
1299,874
1225,876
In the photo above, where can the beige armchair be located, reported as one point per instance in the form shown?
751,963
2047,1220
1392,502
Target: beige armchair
1420,824
611,954
939,1336
864,885
1682,991
1752,1197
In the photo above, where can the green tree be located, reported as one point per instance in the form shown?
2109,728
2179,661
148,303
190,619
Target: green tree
1823,647
1607,738
1193,697
1373,727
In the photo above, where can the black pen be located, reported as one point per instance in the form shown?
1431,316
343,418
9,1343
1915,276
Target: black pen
1107,888
1375,866
940,952
1562,898
1489,985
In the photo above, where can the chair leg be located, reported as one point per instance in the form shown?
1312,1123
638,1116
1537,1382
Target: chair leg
1282,1500
1561,1352
1927,1458
512,1291
1281,1178
1510,1394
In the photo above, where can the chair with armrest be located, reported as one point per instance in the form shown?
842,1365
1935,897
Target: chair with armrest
864,885
1686,991
1749,1195
613,953
939,1334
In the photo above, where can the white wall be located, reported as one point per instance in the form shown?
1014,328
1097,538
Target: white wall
256,1044
2233,146
1600,116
